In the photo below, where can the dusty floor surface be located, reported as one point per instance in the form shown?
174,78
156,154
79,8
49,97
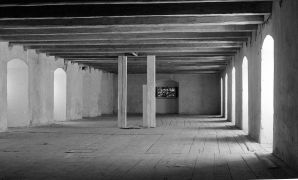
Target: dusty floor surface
181,147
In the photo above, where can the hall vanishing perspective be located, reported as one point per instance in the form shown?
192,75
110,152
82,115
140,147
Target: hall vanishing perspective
148,89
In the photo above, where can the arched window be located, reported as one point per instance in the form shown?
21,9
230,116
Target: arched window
233,95
244,95
59,95
267,89
17,94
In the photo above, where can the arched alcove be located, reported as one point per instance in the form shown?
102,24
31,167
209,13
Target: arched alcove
17,94
233,95
167,105
226,95
267,89
59,95
245,95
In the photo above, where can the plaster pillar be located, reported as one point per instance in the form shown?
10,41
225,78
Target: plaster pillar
146,123
3,95
151,100
122,91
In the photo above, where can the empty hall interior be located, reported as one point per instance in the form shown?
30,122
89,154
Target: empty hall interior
148,89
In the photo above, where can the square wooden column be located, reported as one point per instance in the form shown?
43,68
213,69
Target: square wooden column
151,102
122,91
146,122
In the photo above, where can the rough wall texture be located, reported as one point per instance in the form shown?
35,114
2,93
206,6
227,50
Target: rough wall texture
198,93
282,26
107,93
98,93
91,95
74,102
286,81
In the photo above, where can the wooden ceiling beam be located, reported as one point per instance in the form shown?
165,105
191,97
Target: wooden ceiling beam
128,41
96,10
127,29
124,36
145,21
150,51
188,63
138,46
158,59
161,54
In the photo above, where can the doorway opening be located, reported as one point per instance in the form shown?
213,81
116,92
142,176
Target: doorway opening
245,95
17,94
59,95
267,90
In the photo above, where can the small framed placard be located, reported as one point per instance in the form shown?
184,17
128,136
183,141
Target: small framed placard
166,92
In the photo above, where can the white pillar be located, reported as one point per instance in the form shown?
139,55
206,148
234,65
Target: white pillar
146,123
151,102
122,91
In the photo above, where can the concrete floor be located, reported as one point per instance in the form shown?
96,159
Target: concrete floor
182,147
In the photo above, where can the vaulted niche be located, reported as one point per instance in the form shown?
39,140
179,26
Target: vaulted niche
245,95
267,89
167,94
17,94
59,95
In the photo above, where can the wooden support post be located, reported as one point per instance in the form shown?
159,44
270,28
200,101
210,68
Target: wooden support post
151,107
146,123
122,91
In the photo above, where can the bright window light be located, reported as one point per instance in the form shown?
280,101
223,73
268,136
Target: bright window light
244,95
226,95
17,94
59,95
267,89
233,95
